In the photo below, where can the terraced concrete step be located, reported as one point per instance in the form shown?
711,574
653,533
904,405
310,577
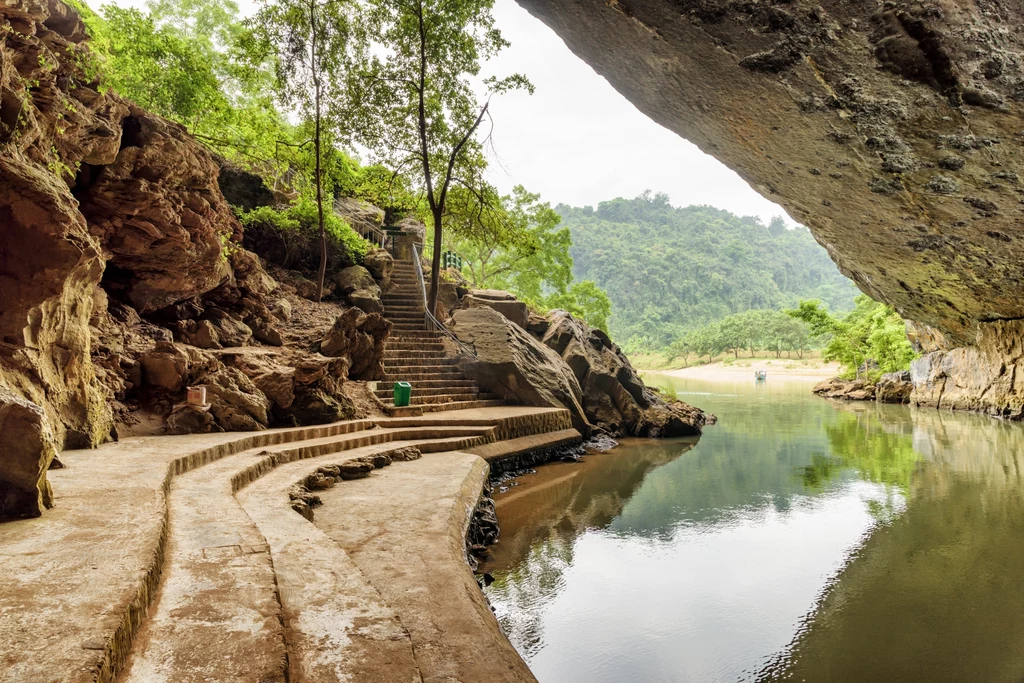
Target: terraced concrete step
411,550
502,450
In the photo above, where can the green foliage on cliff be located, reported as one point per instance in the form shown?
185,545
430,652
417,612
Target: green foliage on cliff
870,335
180,59
670,270
290,237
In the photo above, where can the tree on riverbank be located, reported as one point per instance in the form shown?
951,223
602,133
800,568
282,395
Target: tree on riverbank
750,331
870,339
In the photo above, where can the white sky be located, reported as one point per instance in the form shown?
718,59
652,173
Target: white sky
578,141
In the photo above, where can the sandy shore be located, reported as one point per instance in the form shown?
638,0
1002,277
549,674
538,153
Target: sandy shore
783,367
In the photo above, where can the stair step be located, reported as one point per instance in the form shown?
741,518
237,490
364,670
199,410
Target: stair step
428,383
460,405
442,390
445,398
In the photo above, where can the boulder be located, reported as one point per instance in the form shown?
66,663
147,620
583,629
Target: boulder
230,331
282,310
359,337
236,404
380,264
185,419
354,278
358,285
366,300
615,398
159,214
27,448
166,367
503,302
516,366
894,387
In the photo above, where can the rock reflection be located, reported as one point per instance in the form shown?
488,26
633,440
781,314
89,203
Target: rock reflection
541,519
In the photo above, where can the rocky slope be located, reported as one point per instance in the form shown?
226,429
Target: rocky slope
122,277
560,361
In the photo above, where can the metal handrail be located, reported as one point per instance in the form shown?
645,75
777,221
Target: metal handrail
432,323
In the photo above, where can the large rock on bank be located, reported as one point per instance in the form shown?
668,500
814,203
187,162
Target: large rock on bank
985,377
614,396
573,366
514,365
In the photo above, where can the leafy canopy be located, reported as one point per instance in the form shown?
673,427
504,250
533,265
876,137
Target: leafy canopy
872,334
669,270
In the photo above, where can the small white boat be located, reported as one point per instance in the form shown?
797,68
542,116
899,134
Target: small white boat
760,375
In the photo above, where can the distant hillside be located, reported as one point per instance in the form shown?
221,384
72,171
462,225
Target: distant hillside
670,269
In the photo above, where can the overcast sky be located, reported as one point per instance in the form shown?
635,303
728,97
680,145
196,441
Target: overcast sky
578,141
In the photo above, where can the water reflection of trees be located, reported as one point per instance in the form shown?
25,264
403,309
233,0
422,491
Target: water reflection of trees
934,594
862,441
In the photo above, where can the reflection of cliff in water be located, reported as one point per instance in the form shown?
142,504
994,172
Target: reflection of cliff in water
946,570
541,519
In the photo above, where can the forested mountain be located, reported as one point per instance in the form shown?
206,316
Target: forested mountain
668,269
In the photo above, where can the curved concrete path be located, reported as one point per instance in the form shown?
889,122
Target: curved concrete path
250,592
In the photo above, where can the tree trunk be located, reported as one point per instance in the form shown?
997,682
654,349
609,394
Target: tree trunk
316,145
435,262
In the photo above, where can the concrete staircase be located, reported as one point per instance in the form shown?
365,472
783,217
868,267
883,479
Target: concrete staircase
418,356
181,560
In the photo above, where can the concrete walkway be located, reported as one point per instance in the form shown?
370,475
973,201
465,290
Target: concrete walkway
159,564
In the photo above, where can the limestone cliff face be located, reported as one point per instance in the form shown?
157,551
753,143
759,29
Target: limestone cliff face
892,129
116,289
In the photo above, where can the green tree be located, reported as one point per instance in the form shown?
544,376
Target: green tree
181,60
584,300
313,44
421,108
872,331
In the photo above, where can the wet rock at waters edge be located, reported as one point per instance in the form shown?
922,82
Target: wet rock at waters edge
894,387
614,396
847,389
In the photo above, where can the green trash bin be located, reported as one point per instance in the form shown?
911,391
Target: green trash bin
403,393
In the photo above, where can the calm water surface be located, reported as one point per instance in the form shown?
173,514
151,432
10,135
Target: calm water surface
799,540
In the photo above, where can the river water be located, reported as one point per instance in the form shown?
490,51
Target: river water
798,540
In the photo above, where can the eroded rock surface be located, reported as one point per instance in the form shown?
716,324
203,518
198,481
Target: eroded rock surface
563,362
893,130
